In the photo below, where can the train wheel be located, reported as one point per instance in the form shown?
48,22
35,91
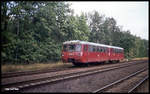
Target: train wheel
87,64
118,61
110,61
76,64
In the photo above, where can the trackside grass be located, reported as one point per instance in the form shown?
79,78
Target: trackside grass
144,58
41,66
30,67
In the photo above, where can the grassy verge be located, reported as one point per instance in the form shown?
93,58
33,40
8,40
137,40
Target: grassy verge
31,67
129,59
143,58
40,66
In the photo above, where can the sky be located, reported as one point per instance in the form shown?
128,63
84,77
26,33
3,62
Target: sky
131,16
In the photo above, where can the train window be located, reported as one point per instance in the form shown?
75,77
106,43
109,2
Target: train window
105,50
85,47
71,47
78,47
115,50
90,48
94,49
97,49
120,51
102,50
112,50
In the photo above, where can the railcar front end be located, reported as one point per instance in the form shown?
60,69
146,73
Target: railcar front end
72,53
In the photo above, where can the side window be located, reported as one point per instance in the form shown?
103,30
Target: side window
120,51
90,48
85,47
94,48
105,50
102,49
78,47
97,49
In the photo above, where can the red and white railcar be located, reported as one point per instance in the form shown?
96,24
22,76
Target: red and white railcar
79,52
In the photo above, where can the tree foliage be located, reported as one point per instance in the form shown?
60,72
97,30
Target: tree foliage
34,31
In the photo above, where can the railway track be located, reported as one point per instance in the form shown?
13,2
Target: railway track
58,78
138,84
23,73
106,87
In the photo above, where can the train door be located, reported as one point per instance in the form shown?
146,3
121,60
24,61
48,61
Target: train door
85,53
90,53
108,53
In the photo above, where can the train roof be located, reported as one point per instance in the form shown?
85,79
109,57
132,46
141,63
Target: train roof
90,43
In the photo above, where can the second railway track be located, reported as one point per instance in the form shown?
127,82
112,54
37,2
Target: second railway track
107,87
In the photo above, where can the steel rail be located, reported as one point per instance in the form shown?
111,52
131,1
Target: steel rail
22,73
139,83
118,81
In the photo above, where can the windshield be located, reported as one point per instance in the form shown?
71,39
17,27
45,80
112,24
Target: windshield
72,47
